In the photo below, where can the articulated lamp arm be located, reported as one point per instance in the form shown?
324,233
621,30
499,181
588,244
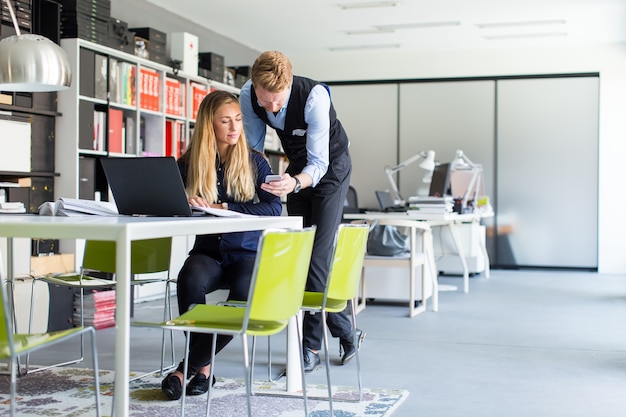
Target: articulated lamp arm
428,164
461,161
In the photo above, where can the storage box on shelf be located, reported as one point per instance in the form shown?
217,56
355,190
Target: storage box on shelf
86,19
211,66
155,41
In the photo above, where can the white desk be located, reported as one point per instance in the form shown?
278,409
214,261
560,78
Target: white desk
450,220
123,230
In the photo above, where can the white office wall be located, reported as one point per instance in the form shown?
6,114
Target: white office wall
372,145
608,60
547,181
444,117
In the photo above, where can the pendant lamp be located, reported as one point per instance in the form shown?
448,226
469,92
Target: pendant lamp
32,63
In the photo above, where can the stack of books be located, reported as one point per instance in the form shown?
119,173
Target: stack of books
98,309
12,207
77,207
432,205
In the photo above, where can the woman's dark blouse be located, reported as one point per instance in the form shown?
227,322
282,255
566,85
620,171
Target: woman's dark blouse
229,247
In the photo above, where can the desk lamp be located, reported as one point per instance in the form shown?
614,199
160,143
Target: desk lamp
32,62
427,164
462,163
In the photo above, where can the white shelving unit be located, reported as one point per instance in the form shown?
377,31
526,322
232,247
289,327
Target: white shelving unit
119,86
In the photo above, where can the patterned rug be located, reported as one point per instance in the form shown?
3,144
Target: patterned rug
68,392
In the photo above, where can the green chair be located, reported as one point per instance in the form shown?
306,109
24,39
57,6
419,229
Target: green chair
342,288
13,345
150,256
275,296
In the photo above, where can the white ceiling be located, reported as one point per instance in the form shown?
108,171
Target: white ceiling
316,26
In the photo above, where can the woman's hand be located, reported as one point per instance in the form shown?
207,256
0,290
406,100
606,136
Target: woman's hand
198,201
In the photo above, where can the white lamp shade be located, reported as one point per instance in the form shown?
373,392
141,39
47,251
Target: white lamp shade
460,161
429,162
33,63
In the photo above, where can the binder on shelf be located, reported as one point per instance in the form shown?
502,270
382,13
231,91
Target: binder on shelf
149,89
99,129
198,92
100,77
175,144
130,138
116,137
87,60
174,97
113,74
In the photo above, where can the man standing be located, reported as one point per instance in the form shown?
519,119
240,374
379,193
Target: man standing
316,181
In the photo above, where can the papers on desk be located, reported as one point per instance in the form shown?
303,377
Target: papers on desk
221,212
77,207
431,205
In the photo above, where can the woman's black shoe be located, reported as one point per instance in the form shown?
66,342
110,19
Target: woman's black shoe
172,387
199,384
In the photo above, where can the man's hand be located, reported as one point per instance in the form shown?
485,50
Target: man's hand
280,188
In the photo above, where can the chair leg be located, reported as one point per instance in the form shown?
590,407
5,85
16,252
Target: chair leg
327,359
211,373
252,358
247,373
306,409
358,361
185,369
167,315
269,359
14,366
96,376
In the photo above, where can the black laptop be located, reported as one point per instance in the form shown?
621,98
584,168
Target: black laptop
385,201
149,186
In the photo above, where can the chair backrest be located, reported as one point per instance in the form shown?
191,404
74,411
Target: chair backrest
347,262
147,256
351,204
280,272
6,328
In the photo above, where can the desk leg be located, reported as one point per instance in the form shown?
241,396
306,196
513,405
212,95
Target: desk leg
294,375
122,327
459,249
483,247
431,265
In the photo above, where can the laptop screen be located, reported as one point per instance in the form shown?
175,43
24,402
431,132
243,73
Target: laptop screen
150,186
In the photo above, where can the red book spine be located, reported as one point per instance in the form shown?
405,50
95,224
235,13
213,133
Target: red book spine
116,124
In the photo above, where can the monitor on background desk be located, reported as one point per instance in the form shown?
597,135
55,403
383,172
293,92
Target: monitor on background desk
440,183
385,201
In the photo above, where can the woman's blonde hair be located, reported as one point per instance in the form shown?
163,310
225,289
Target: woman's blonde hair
272,71
203,158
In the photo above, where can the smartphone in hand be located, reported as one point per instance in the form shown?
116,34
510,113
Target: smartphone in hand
270,178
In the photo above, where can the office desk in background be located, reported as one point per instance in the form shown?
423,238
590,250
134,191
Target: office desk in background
448,220
123,230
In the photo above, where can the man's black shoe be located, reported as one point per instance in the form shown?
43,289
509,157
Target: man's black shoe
349,348
199,384
172,387
311,360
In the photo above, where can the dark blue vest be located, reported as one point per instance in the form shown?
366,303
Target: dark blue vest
293,137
